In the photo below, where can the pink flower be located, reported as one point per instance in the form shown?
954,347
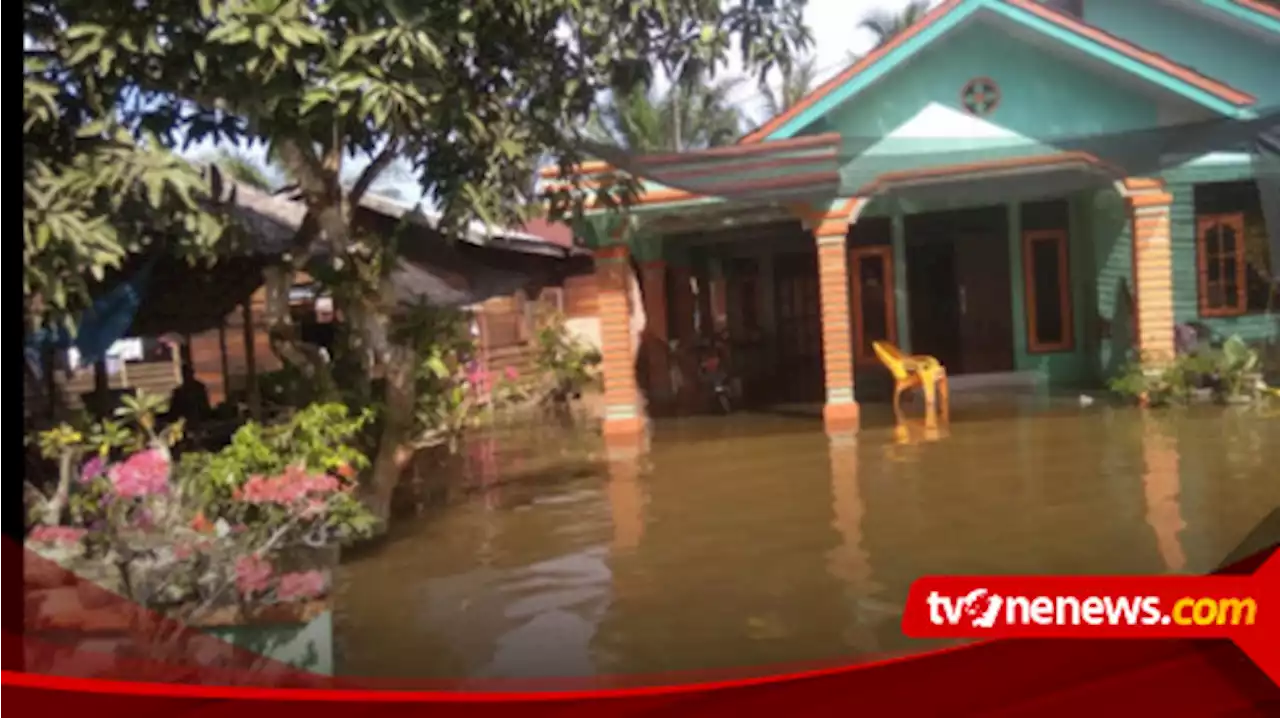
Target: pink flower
302,585
92,469
143,474
511,374
253,574
478,377
294,486
56,534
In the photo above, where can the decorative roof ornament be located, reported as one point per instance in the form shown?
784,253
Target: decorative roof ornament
980,96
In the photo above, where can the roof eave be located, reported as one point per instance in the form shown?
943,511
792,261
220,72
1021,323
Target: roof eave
1203,90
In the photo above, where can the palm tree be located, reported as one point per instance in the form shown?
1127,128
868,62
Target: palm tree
886,24
797,81
264,176
245,170
687,116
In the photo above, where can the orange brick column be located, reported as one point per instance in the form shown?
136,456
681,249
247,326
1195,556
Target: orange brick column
622,414
841,409
653,284
1152,271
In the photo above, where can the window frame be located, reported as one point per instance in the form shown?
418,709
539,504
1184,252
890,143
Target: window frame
857,255
1067,314
1235,220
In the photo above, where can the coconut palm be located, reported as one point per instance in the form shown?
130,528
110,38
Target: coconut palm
245,169
886,24
687,116
797,82
266,175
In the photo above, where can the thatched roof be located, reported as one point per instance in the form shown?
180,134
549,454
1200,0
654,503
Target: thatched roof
432,269
273,218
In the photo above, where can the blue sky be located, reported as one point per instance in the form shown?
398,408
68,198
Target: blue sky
834,24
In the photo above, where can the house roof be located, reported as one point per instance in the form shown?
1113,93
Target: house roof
274,217
1259,6
747,172
556,233
1033,15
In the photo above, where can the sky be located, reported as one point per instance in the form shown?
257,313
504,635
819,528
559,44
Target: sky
833,24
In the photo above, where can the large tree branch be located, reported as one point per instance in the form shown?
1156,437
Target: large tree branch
305,167
284,336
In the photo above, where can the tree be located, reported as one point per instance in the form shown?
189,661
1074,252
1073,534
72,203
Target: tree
886,24
691,114
798,81
470,95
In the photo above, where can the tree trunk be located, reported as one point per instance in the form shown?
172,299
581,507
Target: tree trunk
286,340
395,449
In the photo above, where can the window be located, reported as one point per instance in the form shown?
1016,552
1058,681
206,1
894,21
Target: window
1048,290
1220,253
1233,262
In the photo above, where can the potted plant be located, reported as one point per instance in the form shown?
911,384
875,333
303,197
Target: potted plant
1238,371
238,544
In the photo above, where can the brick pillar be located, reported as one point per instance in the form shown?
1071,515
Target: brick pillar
653,282
1152,274
682,329
841,409
622,414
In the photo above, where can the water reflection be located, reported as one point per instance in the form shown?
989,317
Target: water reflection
757,540
849,561
1162,483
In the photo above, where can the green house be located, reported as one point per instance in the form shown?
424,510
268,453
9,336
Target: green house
1042,189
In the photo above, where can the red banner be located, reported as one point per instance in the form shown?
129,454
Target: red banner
1127,658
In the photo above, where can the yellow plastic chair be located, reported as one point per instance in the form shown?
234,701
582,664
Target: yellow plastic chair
910,372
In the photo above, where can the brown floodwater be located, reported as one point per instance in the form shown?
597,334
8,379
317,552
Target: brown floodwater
755,539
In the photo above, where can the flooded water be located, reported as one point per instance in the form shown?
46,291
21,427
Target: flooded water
757,540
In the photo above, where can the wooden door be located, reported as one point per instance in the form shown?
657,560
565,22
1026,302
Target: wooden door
872,309
983,297
799,328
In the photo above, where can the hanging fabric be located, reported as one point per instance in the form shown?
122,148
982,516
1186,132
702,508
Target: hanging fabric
104,323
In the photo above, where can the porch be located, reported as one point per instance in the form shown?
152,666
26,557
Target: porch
1020,296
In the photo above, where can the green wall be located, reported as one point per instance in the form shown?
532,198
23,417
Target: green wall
1182,227
1044,98
1110,240
1109,235
1241,59
1063,369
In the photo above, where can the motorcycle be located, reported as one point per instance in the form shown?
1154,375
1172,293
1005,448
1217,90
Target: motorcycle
713,374
718,380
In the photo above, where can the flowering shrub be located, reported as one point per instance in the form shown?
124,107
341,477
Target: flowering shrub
57,535
217,528
566,366
142,474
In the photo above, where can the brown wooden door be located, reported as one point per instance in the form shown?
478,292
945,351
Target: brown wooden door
983,299
799,328
873,314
